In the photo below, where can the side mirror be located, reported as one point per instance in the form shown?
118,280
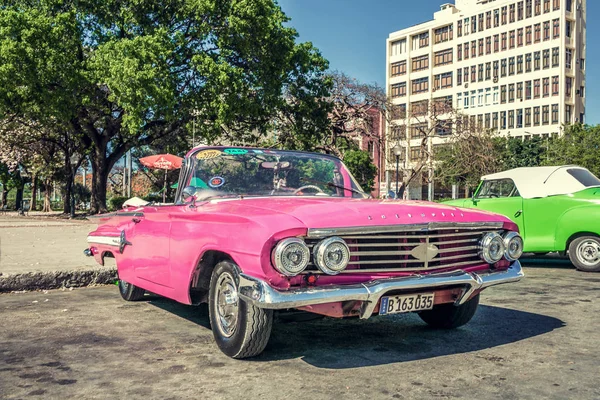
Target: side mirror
474,200
391,194
189,194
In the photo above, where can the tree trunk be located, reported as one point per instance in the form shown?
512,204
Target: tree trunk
19,197
47,207
34,190
4,198
67,196
99,183
466,191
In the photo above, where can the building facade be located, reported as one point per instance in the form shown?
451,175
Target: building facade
516,66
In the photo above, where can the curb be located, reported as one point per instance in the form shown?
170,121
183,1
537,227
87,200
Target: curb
57,279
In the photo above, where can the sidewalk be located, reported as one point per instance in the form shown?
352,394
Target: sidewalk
43,252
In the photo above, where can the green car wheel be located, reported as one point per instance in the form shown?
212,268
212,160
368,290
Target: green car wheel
584,253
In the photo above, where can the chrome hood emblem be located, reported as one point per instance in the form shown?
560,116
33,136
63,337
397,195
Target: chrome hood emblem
425,252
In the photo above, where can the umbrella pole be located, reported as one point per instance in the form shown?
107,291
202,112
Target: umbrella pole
165,188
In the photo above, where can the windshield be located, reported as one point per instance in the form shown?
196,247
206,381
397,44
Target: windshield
249,172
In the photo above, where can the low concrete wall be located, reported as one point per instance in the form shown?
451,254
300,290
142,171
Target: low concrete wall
57,279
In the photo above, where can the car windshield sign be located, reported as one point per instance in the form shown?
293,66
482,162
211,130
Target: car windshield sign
248,172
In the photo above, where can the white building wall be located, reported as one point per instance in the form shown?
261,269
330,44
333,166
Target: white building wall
467,9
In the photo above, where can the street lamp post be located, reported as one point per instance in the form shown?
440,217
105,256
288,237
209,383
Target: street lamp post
397,149
74,160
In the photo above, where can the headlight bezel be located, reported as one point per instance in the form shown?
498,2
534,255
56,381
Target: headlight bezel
278,253
508,238
485,246
319,252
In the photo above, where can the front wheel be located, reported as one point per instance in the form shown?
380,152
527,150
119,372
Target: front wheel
448,316
584,253
241,330
130,292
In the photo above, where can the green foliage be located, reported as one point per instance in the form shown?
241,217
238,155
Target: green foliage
362,168
580,145
516,152
82,193
116,203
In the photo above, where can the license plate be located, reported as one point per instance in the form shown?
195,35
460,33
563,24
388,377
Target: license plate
406,303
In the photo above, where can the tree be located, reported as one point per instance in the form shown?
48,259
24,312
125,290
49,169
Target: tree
517,152
362,168
123,73
580,145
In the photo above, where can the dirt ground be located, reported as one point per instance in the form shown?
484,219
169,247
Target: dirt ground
530,340
40,244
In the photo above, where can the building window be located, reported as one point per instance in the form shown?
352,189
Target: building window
569,86
473,73
488,71
418,131
442,57
420,63
488,20
555,57
555,5
569,6
420,85
495,95
459,52
520,37
480,22
466,53
459,77
415,153
520,11
398,132
511,93
511,13
568,58
503,67
546,87
537,33
488,121
547,30
568,29
545,115
536,116
555,28
473,24
527,90
488,45
527,123
443,34
582,64
466,74
495,120
459,28
503,120
528,62
511,66
536,88
511,39
567,114
555,86
480,73
399,111
546,59
496,66
528,8
555,113
473,48
519,118
536,61
496,18
546,6
504,12
443,81
511,119
442,104
399,89
466,26
503,94
528,30
419,108
538,7
398,47
496,43
520,90
399,68
423,40
480,47
519,64
503,47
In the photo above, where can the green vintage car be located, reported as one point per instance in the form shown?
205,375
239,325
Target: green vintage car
556,209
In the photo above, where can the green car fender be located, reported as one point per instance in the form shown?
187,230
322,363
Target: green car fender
574,222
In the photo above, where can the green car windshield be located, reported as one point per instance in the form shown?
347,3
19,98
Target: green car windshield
248,172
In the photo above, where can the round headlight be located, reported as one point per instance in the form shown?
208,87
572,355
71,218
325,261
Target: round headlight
331,255
514,246
491,248
290,256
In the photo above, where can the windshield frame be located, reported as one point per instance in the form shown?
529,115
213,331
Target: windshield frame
350,185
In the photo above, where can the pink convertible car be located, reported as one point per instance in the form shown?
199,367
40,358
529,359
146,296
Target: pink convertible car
257,230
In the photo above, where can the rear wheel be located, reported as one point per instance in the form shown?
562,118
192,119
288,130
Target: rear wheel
130,292
447,316
584,253
241,330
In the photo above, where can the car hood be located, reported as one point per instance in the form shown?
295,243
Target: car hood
317,212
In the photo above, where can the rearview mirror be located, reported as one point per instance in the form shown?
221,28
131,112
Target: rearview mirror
189,193
273,165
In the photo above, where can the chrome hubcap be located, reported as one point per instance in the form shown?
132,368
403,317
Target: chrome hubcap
227,304
588,252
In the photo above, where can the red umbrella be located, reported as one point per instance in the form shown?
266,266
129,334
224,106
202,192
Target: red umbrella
162,161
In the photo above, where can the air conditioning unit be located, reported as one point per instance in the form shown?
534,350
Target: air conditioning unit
466,85
495,79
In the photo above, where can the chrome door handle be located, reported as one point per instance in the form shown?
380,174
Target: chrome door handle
518,213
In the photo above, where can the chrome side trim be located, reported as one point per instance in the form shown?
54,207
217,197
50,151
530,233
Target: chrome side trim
107,240
361,230
259,293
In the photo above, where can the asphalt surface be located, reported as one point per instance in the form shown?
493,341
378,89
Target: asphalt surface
530,340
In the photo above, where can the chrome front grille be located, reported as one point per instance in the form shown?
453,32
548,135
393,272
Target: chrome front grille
408,248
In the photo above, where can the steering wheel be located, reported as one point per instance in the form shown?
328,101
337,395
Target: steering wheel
308,187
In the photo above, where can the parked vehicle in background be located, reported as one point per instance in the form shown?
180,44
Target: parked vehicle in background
555,208
257,230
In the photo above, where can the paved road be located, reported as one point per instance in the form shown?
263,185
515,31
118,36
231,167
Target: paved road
531,340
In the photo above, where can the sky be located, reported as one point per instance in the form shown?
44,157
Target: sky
351,34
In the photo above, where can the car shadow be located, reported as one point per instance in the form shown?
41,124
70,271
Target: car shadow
352,343
547,261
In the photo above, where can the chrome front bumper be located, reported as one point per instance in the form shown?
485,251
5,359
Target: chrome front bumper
259,293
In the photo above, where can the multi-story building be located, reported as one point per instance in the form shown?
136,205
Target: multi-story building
516,66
